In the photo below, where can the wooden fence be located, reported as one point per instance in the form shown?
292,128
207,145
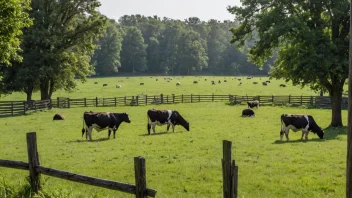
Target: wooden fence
229,172
35,170
13,108
313,101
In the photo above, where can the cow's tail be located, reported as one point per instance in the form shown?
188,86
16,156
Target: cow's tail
148,125
83,129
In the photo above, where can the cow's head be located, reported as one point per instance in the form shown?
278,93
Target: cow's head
320,133
186,125
124,117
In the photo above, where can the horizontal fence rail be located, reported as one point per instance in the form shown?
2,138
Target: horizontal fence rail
35,170
13,108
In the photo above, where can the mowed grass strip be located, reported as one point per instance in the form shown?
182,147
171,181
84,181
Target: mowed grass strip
131,87
183,164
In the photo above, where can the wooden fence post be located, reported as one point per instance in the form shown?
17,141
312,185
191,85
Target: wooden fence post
173,98
272,99
167,99
140,177
229,172
58,102
115,102
68,102
191,98
146,99
301,99
12,108
289,99
96,101
33,161
161,99
85,102
137,100
125,100
24,108
182,98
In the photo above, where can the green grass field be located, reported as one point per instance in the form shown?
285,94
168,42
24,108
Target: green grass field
130,87
180,164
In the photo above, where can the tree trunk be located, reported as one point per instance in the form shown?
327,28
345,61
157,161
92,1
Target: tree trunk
29,96
336,99
29,91
44,90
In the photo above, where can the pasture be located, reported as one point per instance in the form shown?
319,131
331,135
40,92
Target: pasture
131,86
180,164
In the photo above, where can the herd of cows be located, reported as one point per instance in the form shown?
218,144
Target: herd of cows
111,121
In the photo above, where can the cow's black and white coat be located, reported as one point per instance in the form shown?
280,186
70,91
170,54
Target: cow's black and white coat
294,122
101,121
252,104
162,117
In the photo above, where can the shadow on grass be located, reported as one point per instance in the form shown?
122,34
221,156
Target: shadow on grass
84,140
330,133
156,133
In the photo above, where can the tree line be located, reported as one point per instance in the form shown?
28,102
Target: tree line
137,44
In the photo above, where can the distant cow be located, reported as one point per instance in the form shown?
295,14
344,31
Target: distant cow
178,84
225,80
101,121
156,79
195,82
255,83
162,117
294,122
249,78
118,86
95,83
141,83
264,83
104,85
282,85
212,82
252,104
268,81
240,84
248,113
219,81
58,117
239,79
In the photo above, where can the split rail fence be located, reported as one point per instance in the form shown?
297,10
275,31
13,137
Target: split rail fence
229,173
13,108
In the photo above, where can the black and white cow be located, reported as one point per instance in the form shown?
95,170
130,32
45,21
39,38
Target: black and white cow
101,121
248,113
295,122
169,117
252,104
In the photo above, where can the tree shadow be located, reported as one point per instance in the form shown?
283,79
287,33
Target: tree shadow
330,133
84,140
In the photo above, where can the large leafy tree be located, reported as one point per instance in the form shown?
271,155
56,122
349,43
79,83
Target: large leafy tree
311,38
133,54
13,17
106,58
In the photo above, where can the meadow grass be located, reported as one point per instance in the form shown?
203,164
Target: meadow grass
180,164
131,87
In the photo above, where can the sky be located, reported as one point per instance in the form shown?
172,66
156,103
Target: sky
175,9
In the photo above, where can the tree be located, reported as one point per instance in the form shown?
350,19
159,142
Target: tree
106,58
311,38
14,17
133,54
62,36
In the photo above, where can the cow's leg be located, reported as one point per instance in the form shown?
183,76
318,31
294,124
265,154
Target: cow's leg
115,133
109,132
303,132
168,127
173,128
286,134
148,127
307,135
153,127
281,134
89,133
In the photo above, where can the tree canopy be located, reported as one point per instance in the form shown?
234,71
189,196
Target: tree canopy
310,37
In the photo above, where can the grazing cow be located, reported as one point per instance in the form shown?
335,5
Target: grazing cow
225,80
205,79
282,85
264,83
178,84
58,117
255,83
95,83
239,79
240,84
102,120
141,83
248,78
219,81
104,85
156,79
248,113
195,82
294,122
169,117
268,81
212,82
118,86
252,104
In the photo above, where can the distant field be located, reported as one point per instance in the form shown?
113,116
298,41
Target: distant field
130,86
183,164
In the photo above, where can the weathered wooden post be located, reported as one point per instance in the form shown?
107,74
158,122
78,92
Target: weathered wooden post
96,101
301,99
182,98
85,102
137,100
229,172
272,99
173,98
146,99
33,161
115,102
57,102
24,108
289,99
167,99
12,108
125,100
161,99
140,177
68,102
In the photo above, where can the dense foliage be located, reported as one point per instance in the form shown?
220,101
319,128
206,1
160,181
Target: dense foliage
151,45
311,37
